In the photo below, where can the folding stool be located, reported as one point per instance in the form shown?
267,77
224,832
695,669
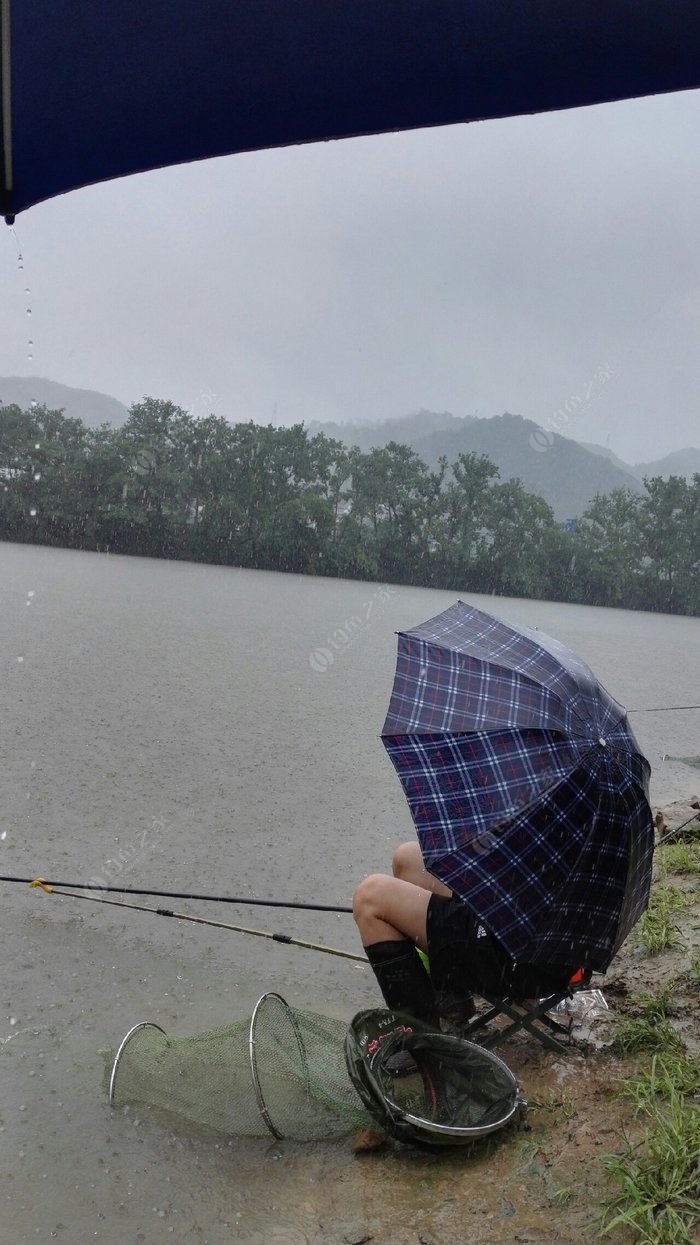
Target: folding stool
530,1015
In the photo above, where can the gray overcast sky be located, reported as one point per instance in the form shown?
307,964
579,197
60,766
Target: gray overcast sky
476,269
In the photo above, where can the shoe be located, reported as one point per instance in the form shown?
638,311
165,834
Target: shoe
454,1007
401,1064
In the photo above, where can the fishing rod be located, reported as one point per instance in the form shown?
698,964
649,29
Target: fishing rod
48,887
678,829
133,890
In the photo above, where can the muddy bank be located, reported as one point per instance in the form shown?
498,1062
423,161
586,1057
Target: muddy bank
548,1181
545,1182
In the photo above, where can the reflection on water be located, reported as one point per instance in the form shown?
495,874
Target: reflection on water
174,726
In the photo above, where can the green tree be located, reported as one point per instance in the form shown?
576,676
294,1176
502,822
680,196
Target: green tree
19,463
520,528
387,493
669,523
460,534
169,485
608,551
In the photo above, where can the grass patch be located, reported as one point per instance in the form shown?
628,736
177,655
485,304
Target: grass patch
658,1179
680,858
527,1151
642,1033
655,1006
657,930
650,1029
671,1071
561,1196
565,1104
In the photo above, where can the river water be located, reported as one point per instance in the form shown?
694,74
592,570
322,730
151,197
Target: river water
190,727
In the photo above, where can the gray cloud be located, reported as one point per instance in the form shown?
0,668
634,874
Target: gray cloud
485,268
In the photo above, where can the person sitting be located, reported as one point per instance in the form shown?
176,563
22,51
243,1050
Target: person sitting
411,909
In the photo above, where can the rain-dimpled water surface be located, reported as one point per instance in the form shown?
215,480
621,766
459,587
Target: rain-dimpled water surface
201,728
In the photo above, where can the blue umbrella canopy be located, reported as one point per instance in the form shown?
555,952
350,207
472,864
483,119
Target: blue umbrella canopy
92,91
527,787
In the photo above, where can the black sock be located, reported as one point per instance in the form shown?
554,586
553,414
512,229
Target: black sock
402,979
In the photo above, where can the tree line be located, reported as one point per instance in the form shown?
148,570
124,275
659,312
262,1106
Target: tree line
170,485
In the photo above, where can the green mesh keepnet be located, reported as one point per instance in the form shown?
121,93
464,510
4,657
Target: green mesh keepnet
282,1072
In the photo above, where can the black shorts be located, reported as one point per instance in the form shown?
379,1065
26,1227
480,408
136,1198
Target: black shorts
465,956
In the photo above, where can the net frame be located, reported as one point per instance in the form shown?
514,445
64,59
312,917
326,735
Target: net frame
264,1002
446,1132
142,1024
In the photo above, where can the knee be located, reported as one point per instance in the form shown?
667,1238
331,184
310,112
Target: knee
368,897
405,859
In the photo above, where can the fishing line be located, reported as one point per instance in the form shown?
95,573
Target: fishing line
132,890
40,884
663,709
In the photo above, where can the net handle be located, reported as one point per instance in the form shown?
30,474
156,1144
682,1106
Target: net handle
253,1058
143,1024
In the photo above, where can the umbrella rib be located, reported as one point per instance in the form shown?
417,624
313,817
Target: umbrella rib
571,705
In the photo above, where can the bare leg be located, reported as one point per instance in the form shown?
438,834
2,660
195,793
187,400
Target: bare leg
453,998
391,917
390,909
407,864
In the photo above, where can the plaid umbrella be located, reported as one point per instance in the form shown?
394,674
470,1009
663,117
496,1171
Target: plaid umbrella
526,784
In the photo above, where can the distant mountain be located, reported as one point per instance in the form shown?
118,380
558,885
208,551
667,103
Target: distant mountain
680,463
93,408
405,429
566,474
612,458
